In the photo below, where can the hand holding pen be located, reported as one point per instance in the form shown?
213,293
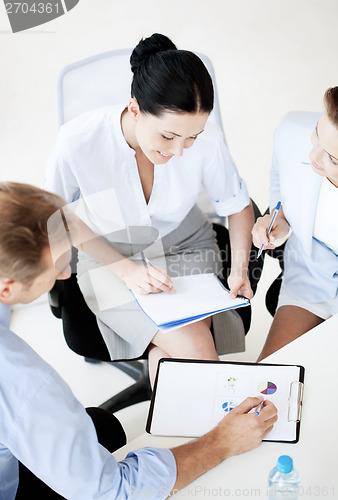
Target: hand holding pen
159,280
272,221
269,228
259,407
144,278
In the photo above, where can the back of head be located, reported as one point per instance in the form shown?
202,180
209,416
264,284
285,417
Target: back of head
168,79
25,211
331,103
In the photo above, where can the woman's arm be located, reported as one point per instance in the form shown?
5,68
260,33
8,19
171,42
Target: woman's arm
240,226
142,278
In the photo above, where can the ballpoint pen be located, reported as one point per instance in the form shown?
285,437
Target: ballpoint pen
259,407
273,218
148,263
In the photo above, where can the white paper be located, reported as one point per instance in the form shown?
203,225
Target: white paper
192,397
199,294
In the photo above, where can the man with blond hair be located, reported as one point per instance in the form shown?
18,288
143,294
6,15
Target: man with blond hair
48,443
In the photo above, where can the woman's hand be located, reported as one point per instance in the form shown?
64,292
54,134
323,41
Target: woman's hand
239,284
279,230
144,279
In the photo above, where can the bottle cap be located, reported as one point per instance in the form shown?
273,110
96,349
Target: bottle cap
284,464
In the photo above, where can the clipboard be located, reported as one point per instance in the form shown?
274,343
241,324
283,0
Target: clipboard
190,397
197,296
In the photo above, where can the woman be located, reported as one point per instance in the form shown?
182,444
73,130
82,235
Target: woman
138,170
309,196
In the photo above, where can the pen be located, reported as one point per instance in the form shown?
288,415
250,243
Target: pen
273,218
259,407
147,261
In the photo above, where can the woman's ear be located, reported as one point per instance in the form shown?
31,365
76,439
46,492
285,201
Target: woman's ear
134,108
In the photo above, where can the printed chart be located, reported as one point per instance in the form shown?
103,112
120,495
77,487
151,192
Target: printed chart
228,406
267,388
191,397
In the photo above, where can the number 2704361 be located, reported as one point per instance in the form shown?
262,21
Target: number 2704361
35,8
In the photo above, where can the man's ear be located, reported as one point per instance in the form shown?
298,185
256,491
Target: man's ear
133,107
6,290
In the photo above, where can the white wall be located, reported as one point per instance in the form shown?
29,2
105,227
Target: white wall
270,56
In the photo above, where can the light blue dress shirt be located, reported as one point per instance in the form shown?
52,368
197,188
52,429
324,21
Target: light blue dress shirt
311,268
44,426
5,315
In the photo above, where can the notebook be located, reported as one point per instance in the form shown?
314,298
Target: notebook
197,296
190,397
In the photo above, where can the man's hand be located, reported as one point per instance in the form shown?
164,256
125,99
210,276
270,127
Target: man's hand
238,432
241,431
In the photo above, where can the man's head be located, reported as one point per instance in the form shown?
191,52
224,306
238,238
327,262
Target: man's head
26,265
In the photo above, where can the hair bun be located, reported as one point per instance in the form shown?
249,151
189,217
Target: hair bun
148,47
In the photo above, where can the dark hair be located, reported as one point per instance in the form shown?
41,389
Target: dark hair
331,103
165,78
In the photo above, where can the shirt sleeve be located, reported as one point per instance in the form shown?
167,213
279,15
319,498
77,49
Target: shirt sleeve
221,180
56,439
59,177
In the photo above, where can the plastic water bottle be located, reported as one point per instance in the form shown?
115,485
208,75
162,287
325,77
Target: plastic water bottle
283,480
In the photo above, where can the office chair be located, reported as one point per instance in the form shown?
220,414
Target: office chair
102,80
83,336
271,297
272,294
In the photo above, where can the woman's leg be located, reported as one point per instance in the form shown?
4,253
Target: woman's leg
192,341
289,323
110,434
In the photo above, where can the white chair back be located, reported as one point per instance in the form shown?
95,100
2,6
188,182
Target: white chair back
102,80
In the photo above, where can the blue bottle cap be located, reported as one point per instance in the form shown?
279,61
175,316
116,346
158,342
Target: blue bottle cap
284,464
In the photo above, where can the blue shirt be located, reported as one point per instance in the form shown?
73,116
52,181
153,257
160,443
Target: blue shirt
5,314
44,426
310,268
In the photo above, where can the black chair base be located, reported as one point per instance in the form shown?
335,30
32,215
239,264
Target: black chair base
136,393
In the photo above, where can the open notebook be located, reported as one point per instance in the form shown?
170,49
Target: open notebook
197,296
190,397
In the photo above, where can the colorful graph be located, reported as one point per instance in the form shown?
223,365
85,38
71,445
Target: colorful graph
267,388
228,406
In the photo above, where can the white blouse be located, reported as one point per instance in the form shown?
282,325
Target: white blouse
93,161
326,222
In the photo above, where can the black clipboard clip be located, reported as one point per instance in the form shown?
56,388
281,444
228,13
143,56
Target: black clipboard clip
295,401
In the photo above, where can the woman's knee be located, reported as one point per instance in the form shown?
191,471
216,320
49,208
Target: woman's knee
197,344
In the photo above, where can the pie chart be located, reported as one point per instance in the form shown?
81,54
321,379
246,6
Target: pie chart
228,406
267,388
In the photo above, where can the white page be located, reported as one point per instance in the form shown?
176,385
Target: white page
195,294
190,396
